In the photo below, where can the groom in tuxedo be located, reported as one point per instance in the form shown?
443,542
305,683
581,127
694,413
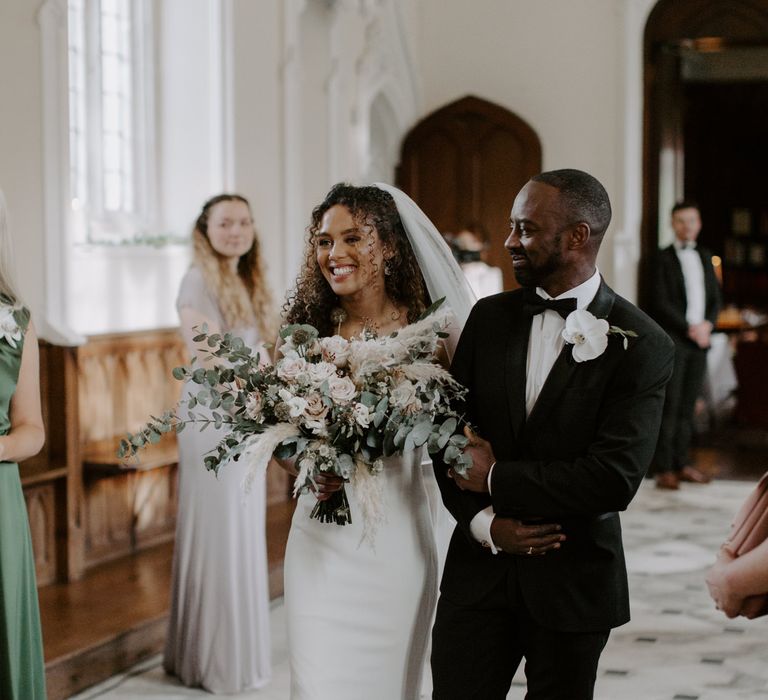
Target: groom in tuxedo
565,434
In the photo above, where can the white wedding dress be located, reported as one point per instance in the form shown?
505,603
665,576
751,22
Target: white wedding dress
359,616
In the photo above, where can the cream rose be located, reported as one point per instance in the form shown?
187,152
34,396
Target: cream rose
289,368
315,408
335,349
341,389
321,372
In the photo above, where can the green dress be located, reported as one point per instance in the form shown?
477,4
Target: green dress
22,671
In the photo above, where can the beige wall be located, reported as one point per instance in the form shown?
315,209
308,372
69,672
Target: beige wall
21,154
572,71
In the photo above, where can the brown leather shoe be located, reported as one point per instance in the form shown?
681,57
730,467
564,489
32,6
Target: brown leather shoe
693,475
667,480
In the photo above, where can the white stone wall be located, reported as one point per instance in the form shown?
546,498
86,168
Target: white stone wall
279,99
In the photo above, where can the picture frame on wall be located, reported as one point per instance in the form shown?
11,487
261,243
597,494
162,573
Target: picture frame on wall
741,221
734,252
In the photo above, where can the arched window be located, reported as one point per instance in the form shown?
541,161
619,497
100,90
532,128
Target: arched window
111,124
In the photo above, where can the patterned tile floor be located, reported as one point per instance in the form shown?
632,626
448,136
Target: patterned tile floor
677,646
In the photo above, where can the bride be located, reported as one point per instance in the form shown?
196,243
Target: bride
359,616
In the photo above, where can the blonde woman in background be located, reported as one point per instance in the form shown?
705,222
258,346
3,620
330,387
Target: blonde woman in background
218,634
22,672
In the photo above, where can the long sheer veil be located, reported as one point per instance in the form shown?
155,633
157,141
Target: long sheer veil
441,272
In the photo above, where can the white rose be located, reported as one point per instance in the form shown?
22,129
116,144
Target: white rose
335,349
341,389
318,427
289,351
587,334
404,394
296,404
289,368
9,329
321,372
362,415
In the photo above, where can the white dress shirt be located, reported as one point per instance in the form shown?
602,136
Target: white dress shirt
484,279
693,274
544,345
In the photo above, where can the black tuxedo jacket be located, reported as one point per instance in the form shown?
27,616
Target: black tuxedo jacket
577,460
668,301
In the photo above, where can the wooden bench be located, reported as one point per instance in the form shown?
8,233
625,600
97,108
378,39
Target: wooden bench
86,505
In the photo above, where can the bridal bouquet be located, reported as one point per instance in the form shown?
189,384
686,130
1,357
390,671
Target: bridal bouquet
335,406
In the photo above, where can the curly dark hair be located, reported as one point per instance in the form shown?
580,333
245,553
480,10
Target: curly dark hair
312,300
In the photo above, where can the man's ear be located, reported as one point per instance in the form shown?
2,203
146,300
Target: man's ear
580,234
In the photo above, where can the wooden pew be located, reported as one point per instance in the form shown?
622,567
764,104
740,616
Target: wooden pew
102,529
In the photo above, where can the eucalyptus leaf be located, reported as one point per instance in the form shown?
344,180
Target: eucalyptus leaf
452,453
402,433
431,309
368,399
420,433
449,426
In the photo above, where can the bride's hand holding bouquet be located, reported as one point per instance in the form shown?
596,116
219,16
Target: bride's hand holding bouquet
335,407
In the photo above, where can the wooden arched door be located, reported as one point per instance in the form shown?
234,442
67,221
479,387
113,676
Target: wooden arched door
465,163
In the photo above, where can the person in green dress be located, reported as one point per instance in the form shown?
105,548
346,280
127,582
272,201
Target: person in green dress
22,671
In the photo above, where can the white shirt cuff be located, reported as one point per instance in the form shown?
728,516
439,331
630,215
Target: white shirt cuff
480,527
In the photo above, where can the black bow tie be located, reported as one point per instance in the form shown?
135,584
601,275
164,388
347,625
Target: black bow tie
534,304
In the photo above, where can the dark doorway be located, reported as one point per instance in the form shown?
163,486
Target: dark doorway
705,139
706,83
464,164
726,151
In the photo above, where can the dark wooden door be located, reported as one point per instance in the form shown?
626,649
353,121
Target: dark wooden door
464,164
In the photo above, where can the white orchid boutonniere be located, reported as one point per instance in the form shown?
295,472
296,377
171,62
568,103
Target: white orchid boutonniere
589,335
9,328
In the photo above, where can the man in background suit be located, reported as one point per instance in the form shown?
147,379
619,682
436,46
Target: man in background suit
535,568
685,300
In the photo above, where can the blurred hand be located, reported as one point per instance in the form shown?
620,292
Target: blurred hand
719,585
700,333
326,485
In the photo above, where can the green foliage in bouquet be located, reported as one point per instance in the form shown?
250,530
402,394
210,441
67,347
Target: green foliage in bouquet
330,405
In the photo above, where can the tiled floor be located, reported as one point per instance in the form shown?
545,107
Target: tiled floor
677,646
